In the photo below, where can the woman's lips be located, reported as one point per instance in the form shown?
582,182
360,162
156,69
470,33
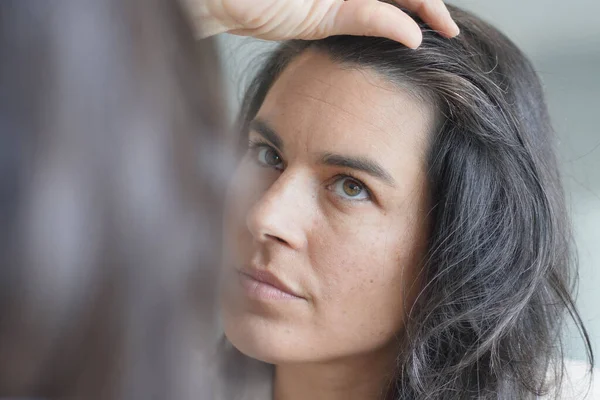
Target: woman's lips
263,285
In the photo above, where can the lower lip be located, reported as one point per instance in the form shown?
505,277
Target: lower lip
263,291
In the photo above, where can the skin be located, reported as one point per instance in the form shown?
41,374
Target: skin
315,19
353,259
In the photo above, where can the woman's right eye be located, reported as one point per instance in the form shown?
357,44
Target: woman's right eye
266,156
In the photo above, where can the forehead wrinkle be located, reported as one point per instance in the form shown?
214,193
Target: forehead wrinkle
341,109
425,104
329,80
402,130
326,86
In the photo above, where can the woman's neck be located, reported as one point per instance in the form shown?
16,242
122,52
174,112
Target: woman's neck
360,378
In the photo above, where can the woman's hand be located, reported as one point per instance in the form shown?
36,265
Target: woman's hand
314,19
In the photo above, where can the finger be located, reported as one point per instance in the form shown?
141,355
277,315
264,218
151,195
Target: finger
374,18
434,13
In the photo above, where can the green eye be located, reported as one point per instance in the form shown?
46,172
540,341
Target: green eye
350,189
269,157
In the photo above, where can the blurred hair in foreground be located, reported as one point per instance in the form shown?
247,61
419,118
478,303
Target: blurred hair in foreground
110,122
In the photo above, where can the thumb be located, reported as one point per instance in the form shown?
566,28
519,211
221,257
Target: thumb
373,18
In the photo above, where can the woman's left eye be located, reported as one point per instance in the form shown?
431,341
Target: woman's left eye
266,156
269,157
350,189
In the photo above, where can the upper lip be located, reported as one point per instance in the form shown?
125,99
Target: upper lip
264,276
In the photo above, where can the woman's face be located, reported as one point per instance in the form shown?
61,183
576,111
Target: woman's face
326,216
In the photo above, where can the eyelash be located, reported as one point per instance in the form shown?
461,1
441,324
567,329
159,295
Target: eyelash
254,144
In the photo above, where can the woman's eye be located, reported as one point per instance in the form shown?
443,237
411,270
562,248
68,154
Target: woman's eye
269,157
350,189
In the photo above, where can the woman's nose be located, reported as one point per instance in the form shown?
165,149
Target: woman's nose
282,213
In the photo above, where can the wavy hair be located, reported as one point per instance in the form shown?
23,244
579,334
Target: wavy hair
499,271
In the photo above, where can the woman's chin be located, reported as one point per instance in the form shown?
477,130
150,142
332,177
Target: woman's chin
263,342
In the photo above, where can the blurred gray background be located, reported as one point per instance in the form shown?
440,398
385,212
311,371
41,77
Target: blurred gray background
563,41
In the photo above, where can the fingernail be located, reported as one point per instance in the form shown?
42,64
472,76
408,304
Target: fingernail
455,29
418,38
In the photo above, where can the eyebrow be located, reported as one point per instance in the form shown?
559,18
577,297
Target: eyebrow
336,160
358,163
264,129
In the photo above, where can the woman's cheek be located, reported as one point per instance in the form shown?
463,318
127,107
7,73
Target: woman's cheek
370,266
353,264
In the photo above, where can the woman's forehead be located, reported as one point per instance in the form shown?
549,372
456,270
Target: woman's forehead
318,103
